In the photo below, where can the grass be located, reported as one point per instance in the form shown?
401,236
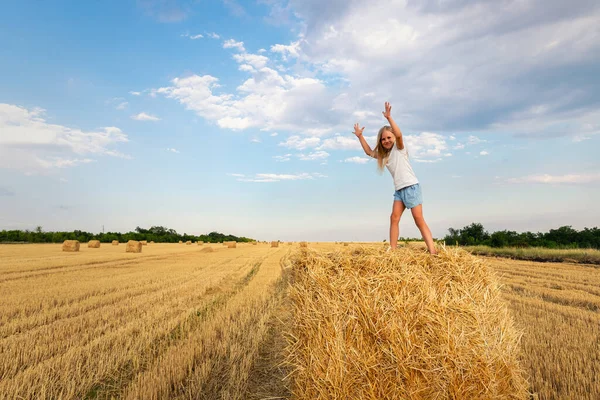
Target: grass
541,254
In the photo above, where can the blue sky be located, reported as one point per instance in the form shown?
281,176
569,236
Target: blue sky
237,116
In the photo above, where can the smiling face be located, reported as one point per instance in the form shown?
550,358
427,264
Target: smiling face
387,139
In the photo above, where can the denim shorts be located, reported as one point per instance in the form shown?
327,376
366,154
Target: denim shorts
411,195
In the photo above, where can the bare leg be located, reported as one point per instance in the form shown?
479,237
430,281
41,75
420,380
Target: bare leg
397,211
417,213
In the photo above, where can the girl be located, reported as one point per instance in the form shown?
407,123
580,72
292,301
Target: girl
390,151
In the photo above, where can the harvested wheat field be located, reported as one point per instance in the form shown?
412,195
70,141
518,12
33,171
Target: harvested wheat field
189,322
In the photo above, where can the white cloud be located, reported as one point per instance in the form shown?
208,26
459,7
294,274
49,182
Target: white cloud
122,105
458,146
237,175
256,61
274,134
558,179
267,100
483,153
135,93
28,142
144,117
426,146
298,143
283,158
213,35
291,50
344,142
459,65
474,140
357,160
198,36
316,155
255,140
280,177
233,44
58,162
173,150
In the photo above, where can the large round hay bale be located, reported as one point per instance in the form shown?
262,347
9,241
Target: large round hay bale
274,244
70,245
303,244
94,244
254,243
400,325
152,242
144,243
231,245
199,242
180,242
133,246
115,242
188,242
207,250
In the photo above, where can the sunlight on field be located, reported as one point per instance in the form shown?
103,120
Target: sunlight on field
162,324
178,322
557,307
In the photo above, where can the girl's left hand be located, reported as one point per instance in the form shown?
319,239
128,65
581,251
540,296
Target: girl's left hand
387,114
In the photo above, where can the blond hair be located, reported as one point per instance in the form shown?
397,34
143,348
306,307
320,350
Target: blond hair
380,152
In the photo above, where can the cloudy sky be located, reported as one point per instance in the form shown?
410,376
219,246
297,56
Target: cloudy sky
237,116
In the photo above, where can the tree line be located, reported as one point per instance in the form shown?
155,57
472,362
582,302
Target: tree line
563,237
158,234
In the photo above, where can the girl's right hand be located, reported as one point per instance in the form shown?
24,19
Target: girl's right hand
358,130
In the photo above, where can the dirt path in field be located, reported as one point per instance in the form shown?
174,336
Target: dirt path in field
266,379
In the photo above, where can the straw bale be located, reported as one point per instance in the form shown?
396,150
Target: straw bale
303,244
274,244
345,244
231,245
115,242
144,242
152,242
207,250
70,245
180,242
94,244
133,246
189,242
370,324
199,242
254,243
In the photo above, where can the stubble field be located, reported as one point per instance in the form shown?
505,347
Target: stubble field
179,322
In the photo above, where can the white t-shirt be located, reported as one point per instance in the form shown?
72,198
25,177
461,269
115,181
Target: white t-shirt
400,168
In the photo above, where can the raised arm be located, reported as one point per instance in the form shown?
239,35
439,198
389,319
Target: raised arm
395,130
358,131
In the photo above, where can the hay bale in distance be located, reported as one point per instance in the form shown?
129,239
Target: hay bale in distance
345,244
70,245
152,242
115,242
392,325
180,242
274,244
199,242
144,243
133,246
189,242
207,250
254,243
231,245
94,244
303,244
